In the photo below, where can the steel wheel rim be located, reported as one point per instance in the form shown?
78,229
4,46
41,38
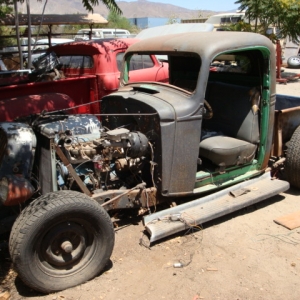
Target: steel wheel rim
50,255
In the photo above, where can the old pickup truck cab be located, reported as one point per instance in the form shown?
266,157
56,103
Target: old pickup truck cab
74,74
211,127
201,143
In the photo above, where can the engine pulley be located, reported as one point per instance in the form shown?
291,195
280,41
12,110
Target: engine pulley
139,144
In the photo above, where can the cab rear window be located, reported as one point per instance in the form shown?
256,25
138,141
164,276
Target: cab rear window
76,61
231,63
137,62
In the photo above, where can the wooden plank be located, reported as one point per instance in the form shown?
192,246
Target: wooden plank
290,221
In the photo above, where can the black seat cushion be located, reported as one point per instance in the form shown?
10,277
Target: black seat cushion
224,150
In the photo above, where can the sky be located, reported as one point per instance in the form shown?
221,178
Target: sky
215,5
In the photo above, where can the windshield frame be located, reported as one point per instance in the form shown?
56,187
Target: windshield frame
191,60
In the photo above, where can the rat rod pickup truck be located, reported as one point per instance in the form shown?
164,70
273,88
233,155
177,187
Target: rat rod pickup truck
72,74
208,142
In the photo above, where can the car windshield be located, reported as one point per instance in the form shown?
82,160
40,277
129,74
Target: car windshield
45,63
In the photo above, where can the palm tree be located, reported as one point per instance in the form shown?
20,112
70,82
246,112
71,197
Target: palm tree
253,10
283,14
110,4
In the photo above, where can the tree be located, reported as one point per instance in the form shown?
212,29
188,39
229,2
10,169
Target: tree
88,4
110,4
282,14
253,10
173,19
117,21
4,10
288,18
239,26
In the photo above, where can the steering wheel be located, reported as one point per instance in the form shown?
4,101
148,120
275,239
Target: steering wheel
208,112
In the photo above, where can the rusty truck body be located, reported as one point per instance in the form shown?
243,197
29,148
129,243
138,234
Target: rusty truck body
183,152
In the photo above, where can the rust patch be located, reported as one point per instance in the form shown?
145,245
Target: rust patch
15,190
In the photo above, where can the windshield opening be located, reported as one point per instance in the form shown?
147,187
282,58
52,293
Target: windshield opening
182,68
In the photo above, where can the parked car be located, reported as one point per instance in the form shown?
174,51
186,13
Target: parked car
101,33
44,43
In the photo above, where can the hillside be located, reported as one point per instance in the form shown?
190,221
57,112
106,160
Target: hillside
135,9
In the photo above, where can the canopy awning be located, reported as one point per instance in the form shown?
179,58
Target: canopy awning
79,19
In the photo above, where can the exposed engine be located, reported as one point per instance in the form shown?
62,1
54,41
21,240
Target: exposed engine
103,159
70,151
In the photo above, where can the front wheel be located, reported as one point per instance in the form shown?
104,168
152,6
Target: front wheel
292,165
60,240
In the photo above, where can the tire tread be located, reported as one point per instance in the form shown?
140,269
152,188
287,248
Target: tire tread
292,166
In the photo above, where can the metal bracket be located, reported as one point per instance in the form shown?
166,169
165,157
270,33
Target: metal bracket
71,170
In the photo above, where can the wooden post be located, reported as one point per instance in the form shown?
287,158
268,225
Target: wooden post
49,35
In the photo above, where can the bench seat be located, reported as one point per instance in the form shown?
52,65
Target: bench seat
238,124
228,151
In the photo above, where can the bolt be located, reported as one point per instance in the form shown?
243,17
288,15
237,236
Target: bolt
67,246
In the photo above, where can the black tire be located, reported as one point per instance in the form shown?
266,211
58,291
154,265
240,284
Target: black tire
60,240
292,164
293,62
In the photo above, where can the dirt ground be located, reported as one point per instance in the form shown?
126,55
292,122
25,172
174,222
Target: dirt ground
244,255
292,87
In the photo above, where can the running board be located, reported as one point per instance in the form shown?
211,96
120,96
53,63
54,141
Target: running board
199,211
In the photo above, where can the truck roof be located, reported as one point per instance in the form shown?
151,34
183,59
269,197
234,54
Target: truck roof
206,44
92,47
174,28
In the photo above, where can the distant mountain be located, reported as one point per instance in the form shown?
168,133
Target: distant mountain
135,9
